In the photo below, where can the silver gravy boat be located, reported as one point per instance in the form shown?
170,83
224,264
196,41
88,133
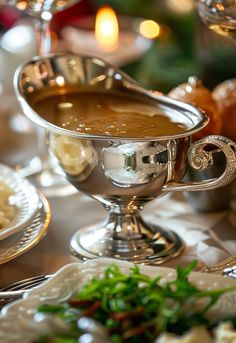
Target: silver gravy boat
123,174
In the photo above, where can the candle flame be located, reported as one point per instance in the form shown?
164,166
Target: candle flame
106,27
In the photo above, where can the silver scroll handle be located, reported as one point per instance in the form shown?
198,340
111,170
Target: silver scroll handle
200,159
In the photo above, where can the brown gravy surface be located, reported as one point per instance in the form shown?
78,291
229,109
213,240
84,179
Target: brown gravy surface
108,114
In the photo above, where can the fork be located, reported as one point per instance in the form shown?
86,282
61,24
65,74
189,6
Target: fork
17,289
25,284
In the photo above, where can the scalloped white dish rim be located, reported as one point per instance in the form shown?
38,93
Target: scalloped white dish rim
69,279
25,198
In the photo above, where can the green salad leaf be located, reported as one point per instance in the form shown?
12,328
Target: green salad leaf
134,307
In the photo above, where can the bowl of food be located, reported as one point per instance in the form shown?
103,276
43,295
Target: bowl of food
19,201
106,301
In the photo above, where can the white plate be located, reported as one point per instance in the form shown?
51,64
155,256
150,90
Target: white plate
25,198
69,279
27,238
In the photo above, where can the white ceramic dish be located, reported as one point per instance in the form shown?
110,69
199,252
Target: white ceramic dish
25,198
69,279
22,241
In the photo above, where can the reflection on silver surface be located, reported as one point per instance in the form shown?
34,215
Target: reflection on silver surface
128,164
77,157
122,173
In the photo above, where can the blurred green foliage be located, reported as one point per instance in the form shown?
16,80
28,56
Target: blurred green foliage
191,49
169,61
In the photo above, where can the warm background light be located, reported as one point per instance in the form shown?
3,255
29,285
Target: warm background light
180,6
22,5
106,27
149,29
17,39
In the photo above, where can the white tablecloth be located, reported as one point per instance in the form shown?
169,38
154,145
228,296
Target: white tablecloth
209,238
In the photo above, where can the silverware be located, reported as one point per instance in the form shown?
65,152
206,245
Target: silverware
25,284
17,289
230,272
123,173
226,267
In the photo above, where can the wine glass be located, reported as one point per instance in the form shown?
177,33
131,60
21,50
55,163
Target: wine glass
219,16
42,11
47,176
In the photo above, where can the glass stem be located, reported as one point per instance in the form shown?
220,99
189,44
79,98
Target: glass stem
44,46
44,36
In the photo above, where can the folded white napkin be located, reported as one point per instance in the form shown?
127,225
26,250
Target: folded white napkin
209,237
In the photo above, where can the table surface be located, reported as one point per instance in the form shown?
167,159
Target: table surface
209,237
